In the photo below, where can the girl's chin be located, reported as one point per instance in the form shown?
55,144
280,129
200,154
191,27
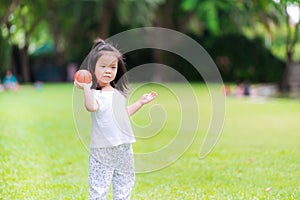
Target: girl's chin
106,80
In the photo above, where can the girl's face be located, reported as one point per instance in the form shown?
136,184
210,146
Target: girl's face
106,68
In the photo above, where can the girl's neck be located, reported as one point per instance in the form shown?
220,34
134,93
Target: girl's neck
107,88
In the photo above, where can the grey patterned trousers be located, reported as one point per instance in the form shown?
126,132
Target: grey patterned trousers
111,165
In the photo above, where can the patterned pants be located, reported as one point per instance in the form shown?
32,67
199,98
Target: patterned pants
111,165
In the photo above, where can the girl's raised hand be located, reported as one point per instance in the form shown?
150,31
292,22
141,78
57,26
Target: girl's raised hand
82,85
146,98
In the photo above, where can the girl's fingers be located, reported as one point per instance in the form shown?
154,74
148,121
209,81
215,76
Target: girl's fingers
77,84
151,96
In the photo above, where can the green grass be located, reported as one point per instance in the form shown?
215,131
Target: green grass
42,157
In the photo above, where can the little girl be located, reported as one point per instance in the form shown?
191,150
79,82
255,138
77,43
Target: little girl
111,156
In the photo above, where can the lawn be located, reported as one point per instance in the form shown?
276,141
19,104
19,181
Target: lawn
43,148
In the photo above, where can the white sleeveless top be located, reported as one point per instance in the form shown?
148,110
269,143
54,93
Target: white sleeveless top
110,123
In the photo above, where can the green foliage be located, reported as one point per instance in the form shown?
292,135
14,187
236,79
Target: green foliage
138,13
206,11
24,21
72,25
239,58
42,157
188,5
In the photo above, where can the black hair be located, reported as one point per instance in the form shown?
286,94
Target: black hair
99,48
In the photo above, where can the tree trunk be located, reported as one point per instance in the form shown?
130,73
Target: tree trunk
105,18
284,87
56,31
291,41
59,50
25,64
163,18
293,79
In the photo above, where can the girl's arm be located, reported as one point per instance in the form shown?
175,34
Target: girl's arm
146,98
90,102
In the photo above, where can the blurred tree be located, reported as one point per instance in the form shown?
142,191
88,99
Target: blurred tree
249,60
228,16
284,15
187,16
6,9
91,19
68,25
21,22
203,14
138,13
290,11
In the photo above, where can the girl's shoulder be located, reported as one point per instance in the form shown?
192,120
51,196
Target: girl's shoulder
120,94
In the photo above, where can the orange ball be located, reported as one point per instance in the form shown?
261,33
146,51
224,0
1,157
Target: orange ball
83,76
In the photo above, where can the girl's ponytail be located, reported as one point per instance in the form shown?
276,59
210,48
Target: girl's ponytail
98,42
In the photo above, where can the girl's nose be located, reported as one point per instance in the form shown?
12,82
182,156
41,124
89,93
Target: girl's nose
108,70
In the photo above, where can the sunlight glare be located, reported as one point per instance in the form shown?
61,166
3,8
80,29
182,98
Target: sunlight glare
293,11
